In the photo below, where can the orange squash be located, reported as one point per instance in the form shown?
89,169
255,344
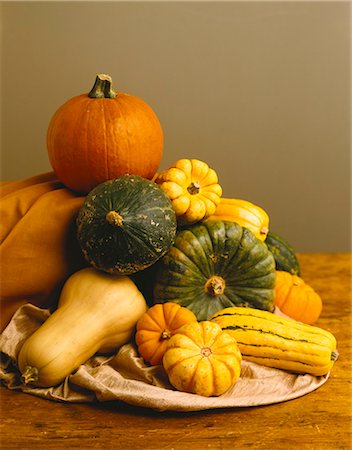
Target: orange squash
296,298
99,136
156,326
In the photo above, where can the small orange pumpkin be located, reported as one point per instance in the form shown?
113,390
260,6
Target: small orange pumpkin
296,298
99,136
156,326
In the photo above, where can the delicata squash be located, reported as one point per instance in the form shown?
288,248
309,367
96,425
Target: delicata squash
245,214
279,342
97,312
193,189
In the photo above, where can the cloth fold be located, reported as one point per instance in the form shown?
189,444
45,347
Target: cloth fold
125,377
38,245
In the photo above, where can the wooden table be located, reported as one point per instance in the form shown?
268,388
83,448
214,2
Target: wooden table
319,420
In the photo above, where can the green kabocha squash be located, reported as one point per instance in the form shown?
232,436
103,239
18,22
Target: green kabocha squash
125,225
216,264
284,255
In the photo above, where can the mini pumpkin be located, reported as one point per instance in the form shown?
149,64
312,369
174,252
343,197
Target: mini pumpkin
193,189
101,135
155,328
202,359
296,298
244,213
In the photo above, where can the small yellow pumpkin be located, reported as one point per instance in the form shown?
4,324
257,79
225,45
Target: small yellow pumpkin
296,298
245,214
156,326
193,189
202,359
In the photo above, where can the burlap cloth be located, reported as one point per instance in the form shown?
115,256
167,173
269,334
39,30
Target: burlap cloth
125,377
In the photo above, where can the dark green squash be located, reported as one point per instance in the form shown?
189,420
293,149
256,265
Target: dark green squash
284,255
125,225
214,265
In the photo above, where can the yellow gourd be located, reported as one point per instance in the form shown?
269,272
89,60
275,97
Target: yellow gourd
193,189
97,312
244,213
202,359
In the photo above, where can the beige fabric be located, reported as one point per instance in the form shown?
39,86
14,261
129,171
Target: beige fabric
125,377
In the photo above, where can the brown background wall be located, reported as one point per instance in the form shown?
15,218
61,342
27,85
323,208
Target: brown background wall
258,90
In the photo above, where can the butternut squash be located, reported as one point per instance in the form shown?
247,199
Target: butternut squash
97,312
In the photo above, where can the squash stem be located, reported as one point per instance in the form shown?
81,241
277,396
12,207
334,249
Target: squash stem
166,334
29,375
114,218
334,355
264,230
206,352
215,286
102,87
193,188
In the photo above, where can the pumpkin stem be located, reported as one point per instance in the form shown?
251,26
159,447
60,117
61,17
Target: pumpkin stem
114,218
215,286
29,375
102,87
193,188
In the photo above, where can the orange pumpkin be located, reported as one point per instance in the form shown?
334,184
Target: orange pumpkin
156,326
296,298
99,136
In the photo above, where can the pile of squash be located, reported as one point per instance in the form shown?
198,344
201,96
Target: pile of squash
192,278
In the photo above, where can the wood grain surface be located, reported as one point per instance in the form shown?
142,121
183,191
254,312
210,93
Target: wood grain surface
318,420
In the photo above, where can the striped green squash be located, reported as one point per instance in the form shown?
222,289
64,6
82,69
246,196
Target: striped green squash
284,255
279,342
214,265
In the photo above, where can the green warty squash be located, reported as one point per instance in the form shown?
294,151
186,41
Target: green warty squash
125,225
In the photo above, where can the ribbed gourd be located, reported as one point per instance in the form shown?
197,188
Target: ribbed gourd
155,328
214,265
202,359
193,189
279,342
